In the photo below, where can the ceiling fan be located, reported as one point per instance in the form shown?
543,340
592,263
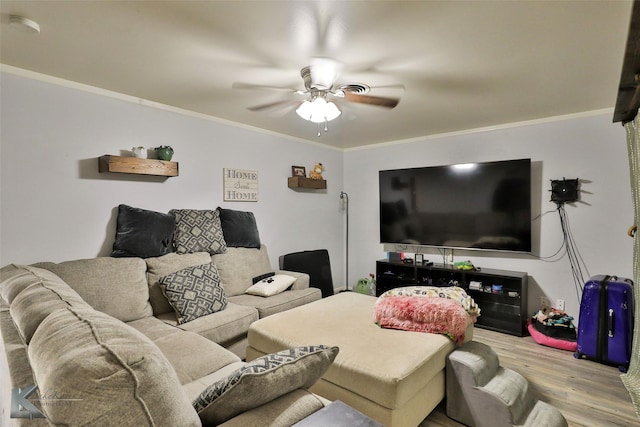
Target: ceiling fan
322,92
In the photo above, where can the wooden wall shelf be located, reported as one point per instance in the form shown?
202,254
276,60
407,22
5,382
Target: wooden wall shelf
302,182
137,166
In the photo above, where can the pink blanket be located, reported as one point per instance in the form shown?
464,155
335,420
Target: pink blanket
434,315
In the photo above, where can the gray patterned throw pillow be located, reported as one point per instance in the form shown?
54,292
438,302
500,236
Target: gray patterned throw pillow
194,292
198,231
263,380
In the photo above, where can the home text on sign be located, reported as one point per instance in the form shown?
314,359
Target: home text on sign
240,185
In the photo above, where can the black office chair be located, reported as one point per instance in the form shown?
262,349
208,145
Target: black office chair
316,264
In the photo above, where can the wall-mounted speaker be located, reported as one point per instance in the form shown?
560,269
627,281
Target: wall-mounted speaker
565,190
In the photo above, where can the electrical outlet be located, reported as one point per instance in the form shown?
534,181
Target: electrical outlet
560,304
544,301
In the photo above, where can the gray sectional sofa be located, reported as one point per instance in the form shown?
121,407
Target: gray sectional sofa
99,344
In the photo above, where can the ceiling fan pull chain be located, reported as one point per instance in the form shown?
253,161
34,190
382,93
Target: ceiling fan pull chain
326,124
318,126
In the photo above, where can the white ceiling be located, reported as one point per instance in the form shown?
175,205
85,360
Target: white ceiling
464,64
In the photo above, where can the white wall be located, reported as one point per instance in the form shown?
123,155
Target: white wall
590,148
56,206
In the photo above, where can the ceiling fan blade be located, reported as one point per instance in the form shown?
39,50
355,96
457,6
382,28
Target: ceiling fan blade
240,85
270,105
372,100
393,86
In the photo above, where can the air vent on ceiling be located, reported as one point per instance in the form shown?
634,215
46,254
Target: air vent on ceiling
358,88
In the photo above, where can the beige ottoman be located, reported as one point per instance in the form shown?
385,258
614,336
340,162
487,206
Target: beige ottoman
395,377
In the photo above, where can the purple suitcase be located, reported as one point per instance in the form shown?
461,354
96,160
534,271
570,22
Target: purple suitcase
605,328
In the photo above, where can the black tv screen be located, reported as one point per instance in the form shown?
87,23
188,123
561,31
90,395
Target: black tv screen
471,206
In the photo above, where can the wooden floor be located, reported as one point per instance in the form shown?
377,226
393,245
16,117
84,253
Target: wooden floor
587,393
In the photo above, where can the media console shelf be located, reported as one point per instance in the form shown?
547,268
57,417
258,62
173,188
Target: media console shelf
498,311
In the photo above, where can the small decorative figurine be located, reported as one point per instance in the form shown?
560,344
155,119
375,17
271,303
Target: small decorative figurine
139,152
316,172
164,152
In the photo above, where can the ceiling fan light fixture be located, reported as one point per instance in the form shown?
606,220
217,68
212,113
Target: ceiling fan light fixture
331,111
318,110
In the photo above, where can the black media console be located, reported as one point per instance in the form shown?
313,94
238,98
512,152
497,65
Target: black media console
502,298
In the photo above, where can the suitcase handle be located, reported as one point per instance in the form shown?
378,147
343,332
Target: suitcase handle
610,323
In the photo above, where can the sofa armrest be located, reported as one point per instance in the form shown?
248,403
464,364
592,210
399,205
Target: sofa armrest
302,279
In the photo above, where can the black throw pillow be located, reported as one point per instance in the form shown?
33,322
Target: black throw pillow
142,233
239,229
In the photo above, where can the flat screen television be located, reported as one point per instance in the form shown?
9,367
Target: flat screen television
485,206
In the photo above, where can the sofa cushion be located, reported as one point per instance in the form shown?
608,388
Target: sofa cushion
280,302
222,327
271,285
15,370
198,231
116,286
191,355
13,280
238,266
263,380
286,410
194,292
153,328
118,376
167,264
47,294
239,228
142,233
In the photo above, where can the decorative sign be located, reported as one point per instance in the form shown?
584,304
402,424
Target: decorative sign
240,185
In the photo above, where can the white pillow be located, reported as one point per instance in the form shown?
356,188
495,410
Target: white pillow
271,285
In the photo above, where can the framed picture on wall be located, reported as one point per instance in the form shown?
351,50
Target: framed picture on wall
240,185
298,171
